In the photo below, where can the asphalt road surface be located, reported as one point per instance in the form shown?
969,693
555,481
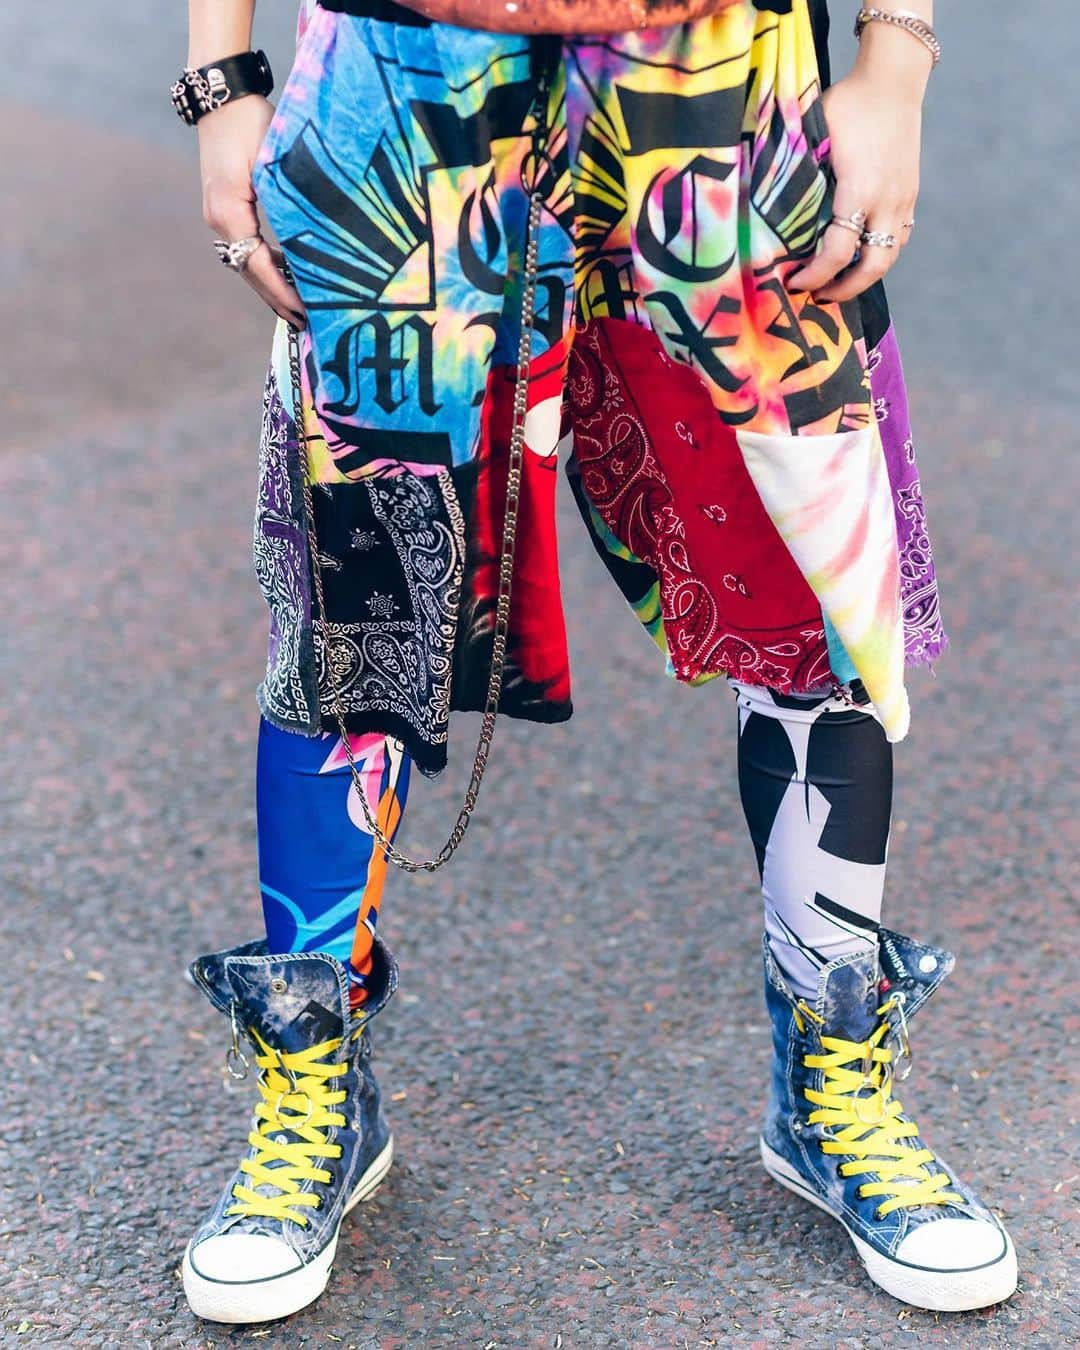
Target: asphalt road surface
577,1058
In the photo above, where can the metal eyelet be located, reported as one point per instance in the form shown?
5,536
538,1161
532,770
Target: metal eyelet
278,985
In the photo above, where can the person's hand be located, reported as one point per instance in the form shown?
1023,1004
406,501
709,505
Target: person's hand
229,141
875,131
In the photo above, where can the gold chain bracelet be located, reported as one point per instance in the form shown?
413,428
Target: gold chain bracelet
910,23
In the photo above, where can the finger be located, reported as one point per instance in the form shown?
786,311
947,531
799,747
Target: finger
837,248
264,276
906,228
874,261
282,265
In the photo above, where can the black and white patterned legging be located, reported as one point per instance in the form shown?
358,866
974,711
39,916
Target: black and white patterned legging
816,779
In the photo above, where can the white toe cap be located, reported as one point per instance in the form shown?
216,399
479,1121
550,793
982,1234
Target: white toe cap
953,1244
239,1258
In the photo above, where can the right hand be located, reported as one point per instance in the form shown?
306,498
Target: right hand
229,142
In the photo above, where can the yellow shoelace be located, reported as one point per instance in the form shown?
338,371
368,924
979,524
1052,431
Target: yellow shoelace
869,1128
296,1101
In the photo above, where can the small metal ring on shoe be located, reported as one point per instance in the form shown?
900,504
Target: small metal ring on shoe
236,254
298,1122
233,1056
877,1100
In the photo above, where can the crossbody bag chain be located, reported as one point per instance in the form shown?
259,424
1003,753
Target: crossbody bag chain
509,535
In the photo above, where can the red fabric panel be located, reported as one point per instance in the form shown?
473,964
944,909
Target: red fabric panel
538,648
665,474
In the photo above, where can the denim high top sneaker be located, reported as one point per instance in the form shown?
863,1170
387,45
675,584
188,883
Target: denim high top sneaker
835,1134
319,1142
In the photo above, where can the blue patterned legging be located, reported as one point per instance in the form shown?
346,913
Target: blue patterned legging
320,875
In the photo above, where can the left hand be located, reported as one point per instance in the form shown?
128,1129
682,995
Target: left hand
229,142
875,131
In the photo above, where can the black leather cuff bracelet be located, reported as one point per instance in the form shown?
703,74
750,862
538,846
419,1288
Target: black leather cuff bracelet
198,92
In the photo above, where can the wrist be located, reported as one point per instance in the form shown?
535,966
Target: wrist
893,60
234,117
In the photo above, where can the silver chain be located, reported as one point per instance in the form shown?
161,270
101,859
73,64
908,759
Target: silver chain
910,23
509,536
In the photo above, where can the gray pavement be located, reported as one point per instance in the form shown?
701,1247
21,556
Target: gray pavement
576,1059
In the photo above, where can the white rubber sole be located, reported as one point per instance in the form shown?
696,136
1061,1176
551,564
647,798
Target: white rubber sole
935,1290
266,1300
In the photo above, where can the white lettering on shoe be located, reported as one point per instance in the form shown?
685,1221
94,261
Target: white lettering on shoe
895,957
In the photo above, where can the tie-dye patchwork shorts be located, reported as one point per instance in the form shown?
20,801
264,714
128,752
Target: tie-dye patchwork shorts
740,455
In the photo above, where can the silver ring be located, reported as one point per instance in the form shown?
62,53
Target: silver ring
854,222
878,239
235,255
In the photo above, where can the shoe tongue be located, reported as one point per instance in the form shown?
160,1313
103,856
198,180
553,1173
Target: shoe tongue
848,998
293,1004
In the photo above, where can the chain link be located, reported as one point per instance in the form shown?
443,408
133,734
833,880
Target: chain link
509,535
